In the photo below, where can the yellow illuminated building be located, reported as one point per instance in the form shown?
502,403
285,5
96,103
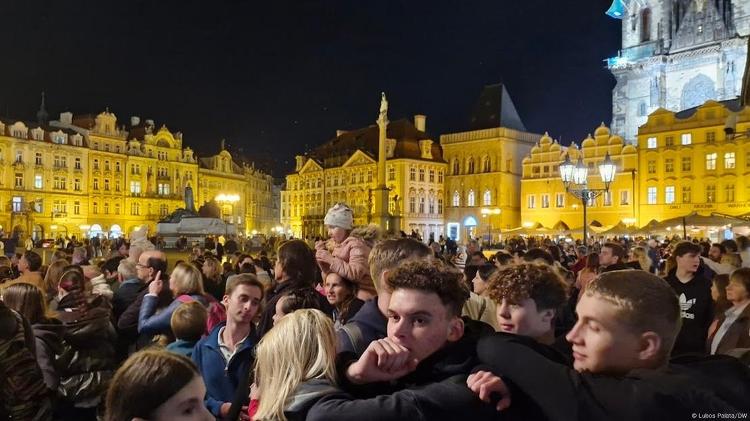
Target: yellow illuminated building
688,164
483,184
85,176
544,199
345,170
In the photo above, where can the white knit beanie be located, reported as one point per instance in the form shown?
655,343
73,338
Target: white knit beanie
340,215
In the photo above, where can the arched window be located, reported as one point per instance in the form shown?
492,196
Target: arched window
470,166
455,166
471,199
456,199
487,198
486,164
645,25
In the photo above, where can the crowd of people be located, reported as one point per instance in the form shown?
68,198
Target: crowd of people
358,326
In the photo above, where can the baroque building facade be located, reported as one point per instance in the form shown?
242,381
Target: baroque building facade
544,200
676,54
689,164
482,188
345,170
85,175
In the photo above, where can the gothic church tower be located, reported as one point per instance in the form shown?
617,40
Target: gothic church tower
676,54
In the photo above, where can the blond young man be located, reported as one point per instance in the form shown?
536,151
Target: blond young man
628,323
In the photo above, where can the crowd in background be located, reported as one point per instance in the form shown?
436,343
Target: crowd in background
361,326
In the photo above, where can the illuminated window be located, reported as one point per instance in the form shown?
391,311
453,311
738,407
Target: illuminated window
651,143
686,138
651,195
456,199
711,161
471,199
729,162
545,200
669,195
531,201
560,200
487,198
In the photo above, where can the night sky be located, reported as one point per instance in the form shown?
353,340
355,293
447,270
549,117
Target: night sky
276,78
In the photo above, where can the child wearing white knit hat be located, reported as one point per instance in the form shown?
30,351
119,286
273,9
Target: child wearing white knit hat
349,254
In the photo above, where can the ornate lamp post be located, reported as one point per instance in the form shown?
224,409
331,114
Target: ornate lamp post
575,179
489,212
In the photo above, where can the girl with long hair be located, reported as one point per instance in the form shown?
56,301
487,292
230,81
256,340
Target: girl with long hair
296,273
342,295
639,259
88,359
296,356
212,279
31,303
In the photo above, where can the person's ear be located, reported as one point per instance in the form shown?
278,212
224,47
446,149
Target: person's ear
225,301
548,315
455,329
383,276
650,345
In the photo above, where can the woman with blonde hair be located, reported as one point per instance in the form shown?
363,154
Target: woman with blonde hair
185,283
639,259
296,357
157,385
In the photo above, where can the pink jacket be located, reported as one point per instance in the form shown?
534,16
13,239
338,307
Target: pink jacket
350,262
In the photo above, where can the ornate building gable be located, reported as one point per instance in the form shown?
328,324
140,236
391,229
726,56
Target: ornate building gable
358,158
310,165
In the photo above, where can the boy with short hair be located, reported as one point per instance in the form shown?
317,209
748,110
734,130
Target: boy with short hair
188,324
628,323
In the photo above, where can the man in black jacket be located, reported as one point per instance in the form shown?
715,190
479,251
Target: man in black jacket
428,345
628,322
612,257
369,323
150,264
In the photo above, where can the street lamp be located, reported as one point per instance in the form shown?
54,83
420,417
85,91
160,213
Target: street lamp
575,180
488,212
231,199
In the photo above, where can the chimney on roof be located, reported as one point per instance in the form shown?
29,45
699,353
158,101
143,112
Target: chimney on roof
420,122
66,117
340,132
134,121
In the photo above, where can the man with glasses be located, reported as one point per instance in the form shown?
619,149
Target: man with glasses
151,263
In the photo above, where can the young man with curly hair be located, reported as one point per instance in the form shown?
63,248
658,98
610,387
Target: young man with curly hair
527,298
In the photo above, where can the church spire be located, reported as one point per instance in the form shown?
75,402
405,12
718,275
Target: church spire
42,116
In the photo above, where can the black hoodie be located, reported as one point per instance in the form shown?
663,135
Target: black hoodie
697,310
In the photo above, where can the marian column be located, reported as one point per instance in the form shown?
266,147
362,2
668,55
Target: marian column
380,192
